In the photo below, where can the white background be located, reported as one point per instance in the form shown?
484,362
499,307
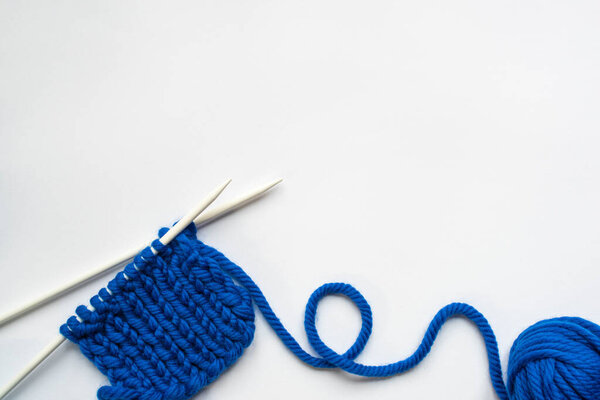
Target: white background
432,152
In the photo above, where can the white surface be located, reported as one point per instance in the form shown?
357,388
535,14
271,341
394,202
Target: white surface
433,152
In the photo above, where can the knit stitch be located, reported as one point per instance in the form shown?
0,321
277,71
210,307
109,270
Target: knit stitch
168,325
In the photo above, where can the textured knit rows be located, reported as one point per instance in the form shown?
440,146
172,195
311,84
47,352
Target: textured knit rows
172,322
168,325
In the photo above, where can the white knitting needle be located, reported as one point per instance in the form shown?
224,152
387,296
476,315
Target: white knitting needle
32,365
199,220
165,239
193,215
202,219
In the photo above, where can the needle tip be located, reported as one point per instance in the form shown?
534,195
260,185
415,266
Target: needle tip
220,189
277,182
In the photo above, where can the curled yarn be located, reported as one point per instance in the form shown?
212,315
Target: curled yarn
173,321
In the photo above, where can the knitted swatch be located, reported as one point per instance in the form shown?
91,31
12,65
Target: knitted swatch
168,325
173,321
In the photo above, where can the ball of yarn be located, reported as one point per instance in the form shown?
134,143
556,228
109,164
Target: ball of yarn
556,359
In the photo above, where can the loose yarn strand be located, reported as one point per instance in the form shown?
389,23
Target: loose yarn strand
555,359
330,359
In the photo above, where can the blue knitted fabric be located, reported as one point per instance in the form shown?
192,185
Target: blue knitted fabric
168,325
171,323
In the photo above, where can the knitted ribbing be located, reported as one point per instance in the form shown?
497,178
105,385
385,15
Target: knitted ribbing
167,325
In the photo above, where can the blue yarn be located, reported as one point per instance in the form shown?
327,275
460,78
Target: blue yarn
556,359
172,322
167,326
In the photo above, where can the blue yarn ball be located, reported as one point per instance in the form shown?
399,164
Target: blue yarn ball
556,359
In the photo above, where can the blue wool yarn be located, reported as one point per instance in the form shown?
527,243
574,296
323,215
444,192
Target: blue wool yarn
173,321
166,326
556,359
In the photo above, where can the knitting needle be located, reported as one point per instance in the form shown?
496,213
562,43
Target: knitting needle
32,365
203,219
199,220
165,239
219,211
92,274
